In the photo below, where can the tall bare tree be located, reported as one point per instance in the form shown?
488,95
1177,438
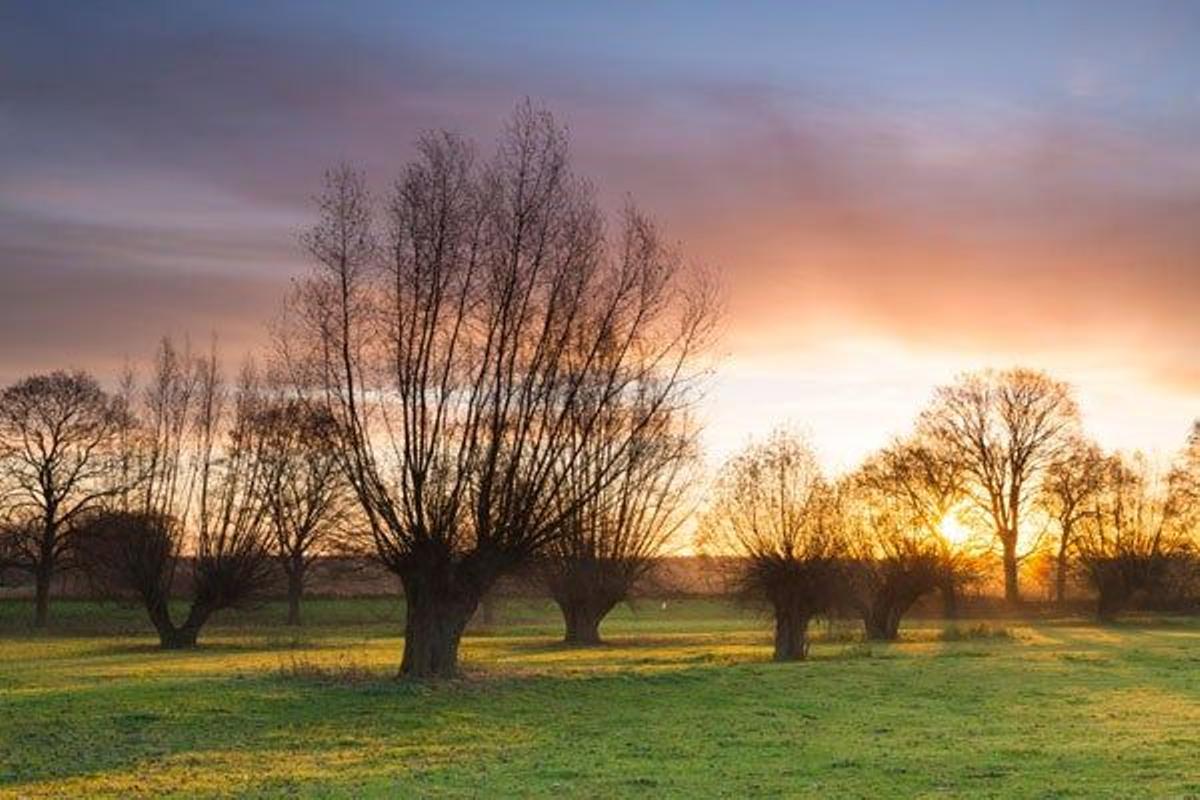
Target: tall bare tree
468,343
1004,429
610,539
306,493
197,511
1069,488
774,513
58,433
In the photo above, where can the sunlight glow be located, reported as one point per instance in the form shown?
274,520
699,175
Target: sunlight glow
954,530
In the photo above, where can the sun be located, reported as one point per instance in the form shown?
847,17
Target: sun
953,530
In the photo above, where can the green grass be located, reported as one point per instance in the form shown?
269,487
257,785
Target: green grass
682,702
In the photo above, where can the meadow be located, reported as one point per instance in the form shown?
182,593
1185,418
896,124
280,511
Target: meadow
682,701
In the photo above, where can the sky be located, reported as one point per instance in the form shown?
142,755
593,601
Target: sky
891,193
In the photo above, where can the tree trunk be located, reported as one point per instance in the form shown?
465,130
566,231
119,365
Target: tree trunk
1060,578
182,638
583,621
791,635
882,623
949,599
295,591
1012,594
1112,598
41,601
171,637
433,627
1107,608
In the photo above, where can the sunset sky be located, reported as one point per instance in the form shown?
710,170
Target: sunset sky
892,193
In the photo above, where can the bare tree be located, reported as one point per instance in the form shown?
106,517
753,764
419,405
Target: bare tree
306,494
197,511
57,456
610,538
772,510
929,482
1184,484
14,536
892,510
1069,488
1004,429
467,347
1134,535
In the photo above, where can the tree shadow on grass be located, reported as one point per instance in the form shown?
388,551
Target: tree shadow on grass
635,642
214,648
268,732
133,734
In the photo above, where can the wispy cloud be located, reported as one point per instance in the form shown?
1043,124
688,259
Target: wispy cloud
988,188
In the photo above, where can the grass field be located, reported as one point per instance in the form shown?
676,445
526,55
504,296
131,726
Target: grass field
682,702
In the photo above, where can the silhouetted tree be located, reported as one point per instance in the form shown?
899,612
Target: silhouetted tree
892,510
58,433
306,493
1004,429
610,538
1069,488
463,350
1133,536
198,507
772,510
1184,483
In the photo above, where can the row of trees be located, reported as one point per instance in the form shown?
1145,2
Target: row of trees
185,474
476,374
187,483
480,375
995,451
